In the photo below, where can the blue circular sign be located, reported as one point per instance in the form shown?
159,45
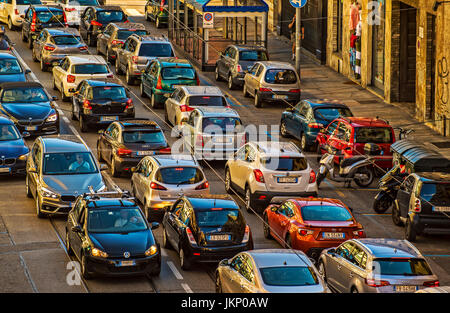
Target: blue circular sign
298,3
208,17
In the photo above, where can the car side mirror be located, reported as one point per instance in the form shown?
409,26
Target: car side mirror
77,229
27,71
103,167
26,134
154,225
54,98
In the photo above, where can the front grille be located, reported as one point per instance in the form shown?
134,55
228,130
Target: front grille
68,198
9,161
25,123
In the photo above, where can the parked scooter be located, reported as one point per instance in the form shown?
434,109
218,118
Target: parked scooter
359,169
389,185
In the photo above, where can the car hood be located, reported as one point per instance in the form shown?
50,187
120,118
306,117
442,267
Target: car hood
73,184
116,244
12,78
24,111
12,148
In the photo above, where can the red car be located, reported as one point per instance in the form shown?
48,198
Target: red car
350,134
311,224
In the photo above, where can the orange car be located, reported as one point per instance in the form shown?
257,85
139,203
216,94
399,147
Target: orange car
311,224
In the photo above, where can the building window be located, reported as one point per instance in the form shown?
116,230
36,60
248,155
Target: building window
378,43
340,16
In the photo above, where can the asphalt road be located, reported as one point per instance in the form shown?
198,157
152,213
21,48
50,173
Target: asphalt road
32,255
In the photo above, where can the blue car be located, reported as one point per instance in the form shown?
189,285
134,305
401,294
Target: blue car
308,117
11,70
30,107
13,151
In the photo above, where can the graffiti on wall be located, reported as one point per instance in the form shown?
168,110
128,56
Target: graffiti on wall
443,72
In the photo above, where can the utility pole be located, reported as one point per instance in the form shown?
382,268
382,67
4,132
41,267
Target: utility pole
298,39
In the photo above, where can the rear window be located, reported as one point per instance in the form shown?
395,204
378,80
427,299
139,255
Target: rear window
182,73
289,276
107,92
124,34
66,40
50,16
401,267
84,2
329,114
156,50
279,76
222,124
26,2
373,135
90,69
285,164
180,175
325,213
140,136
253,55
213,101
218,217
436,192
106,17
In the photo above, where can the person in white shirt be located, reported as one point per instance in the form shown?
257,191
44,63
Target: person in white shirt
125,219
80,165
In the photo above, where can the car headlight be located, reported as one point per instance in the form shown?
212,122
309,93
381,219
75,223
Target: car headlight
23,157
102,188
151,251
48,193
98,253
52,118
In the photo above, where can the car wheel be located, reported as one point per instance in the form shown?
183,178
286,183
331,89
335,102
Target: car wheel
128,78
153,101
27,186
217,75
90,40
157,23
184,260
354,290
396,216
84,271
68,247
33,55
228,188
218,283
147,17
244,91
231,84
24,39
44,67
54,85
283,129
321,270
99,154
368,172
83,125
267,227
258,102
118,70
166,242
410,232
141,90
249,205
319,153
114,171
303,145
10,24
39,207
72,111
63,95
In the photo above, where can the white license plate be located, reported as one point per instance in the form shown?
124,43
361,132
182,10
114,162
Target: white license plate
279,97
333,235
441,208
287,179
4,169
405,288
127,263
219,237
141,153
108,118
31,128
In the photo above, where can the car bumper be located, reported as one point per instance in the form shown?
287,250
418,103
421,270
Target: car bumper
238,79
161,96
136,70
16,20
41,130
216,254
263,198
18,168
219,154
271,96
55,206
431,224
92,119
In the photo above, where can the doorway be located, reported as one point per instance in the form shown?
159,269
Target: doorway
431,67
408,36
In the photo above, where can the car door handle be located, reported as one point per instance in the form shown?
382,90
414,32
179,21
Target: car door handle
351,274
339,267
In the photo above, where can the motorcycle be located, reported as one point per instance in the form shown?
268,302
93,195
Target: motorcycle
389,185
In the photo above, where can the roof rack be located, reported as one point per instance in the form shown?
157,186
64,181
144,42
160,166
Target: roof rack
150,37
118,193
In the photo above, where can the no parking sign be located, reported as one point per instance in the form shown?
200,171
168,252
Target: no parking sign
208,20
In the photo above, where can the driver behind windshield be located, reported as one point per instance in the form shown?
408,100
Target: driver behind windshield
34,95
80,164
9,67
6,133
127,219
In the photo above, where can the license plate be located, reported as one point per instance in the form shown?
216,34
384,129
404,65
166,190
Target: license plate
127,263
5,169
405,288
287,179
219,237
441,208
140,153
108,118
333,235
279,97
31,128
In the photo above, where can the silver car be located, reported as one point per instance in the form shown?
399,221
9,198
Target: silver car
376,265
269,270
158,181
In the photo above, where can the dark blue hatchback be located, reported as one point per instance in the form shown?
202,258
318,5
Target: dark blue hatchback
13,151
305,120
10,69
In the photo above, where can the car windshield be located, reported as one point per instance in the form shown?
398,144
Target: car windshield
219,217
289,276
181,73
24,95
330,114
213,101
401,267
156,50
106,17
69,163
84,2
8,132
27,2
124,220
280,76
124,34
109,92
253,55
90,69
285,163
436,193
9,66
143,136
325,213
51,16
373,135
221,125
68,40
181,175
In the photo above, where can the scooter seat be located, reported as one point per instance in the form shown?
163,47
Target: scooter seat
351,161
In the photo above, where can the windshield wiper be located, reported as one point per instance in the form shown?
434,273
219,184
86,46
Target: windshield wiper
184,182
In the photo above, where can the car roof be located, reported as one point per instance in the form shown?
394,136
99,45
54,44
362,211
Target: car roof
107,7
433,176
103,83
202,91
277,148
62,31
152,39
171,61
5,120
44,7
114,203
389,248
212,201
11,85
82,59
278,257
315,103
175,160
63,143
137,123
123,25
217,112
277,65
364,122
248,47
318,201
7,56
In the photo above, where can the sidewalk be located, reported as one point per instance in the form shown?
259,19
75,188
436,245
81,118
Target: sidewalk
319,81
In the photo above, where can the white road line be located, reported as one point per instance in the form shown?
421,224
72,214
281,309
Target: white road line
174,270
133,12
186,288
163,252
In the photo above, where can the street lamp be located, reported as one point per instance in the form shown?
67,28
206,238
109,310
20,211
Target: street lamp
438,3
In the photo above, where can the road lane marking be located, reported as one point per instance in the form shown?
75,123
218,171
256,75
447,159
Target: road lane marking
174,270
133,12
163,252
27,273
341,194
186,288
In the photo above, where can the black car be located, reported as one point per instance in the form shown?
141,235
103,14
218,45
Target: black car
13,150
124,143
30,107
95,19
423,204
100,102
205,229
109,235
236,60
38,17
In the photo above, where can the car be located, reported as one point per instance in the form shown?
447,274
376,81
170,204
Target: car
12,11
159,180
311,224
213,133
30,107
423,204
109,236
97,102
270,81
94,20
269,270
11,70
269,172
75,68
157,11
376,265
306,118
441,289
205,229
235,61
13,149
115,35
60,168
53,44
187,98
348,135
124,143
161,77
38,17
74,8
134,54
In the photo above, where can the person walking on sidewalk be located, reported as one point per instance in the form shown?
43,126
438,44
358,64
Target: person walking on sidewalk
292,27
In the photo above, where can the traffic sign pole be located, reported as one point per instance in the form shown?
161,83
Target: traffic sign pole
298,39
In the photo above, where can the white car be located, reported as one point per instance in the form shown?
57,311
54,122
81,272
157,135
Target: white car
75,68
74,8
269,172
11,11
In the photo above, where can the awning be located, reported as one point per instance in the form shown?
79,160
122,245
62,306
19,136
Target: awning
243,6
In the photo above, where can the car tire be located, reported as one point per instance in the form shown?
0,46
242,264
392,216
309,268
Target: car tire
27,187
283,129
266,228
410,232
354,290
39,207
228,187
249,203
99,154
303,144
141,90
33,55
44,68
156,271
396,216
83,125
153,101
114,171
64,98
166,242
72,111
231,84
10,24
24,38
118,70
185,263
84,272
370,172
157,22
244,91
258,102
67,244
218,283
130,80
322,271
217,75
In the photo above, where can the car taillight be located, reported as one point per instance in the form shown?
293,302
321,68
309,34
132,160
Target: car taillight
70,78
123,152
315,125
65,19
376,283
190,236
83,48
95,23
130,104
159,83
156,186
294,90
161,7
185,108
165,150
238,68
116,42
135,59
417,206
33,23
205,185
246,234
359,233
312,177
87,105
49,48
198,81
16,12
265,89
305,232
69,9
433,283
258,176
200,141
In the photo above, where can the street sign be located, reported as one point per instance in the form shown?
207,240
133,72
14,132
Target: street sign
298,3
208,20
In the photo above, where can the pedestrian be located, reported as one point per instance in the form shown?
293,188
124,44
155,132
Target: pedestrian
292,27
